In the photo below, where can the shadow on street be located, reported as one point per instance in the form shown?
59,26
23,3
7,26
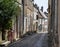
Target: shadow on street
36,40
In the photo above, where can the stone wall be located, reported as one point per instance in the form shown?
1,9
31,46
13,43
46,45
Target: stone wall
59,21
0,37
53,22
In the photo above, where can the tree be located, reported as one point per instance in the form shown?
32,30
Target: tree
7,12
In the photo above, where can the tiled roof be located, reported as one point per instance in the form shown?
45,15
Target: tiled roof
42,13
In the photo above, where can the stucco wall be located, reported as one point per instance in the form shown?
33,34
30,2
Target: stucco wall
59,21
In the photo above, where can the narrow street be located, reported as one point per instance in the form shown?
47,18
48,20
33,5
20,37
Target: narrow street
29,23
36,40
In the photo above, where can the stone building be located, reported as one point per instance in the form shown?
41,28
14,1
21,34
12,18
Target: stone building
44,21
35,21
18,21
53,23
40,19
28,15
17,26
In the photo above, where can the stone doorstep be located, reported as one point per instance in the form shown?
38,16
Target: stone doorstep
17,39
5,43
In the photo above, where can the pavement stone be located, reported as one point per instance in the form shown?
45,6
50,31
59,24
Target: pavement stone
36,40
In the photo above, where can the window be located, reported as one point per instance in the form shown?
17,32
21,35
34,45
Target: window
37,17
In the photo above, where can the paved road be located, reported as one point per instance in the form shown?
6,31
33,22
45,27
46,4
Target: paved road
36,40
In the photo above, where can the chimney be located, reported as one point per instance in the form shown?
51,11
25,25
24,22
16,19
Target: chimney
42,8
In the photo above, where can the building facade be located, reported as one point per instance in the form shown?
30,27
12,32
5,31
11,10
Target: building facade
53,24
43,21
39,22
28,15
17,26
35,21
18,21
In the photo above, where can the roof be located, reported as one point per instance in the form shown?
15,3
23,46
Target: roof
36,6
42,13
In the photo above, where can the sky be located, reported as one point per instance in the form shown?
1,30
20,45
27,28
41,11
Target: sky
43,3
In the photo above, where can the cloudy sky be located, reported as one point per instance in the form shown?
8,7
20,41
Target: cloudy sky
43,3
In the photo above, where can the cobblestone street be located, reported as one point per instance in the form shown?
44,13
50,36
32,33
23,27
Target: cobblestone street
36,40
